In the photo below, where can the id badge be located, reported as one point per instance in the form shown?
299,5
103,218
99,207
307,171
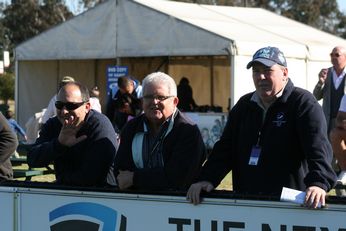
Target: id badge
255,154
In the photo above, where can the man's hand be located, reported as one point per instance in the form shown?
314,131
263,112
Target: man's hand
322,75
193,195
68,132
315,196
125,179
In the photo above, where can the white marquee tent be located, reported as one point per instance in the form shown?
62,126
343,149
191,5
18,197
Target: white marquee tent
144,33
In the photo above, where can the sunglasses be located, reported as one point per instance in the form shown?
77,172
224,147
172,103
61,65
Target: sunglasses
335,55
68,105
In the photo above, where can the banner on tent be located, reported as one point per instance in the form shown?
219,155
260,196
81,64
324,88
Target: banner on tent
113,73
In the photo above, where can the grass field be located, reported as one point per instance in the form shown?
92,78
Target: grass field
226,183
43,178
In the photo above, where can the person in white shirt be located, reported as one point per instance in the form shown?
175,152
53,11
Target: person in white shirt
331,85
94,99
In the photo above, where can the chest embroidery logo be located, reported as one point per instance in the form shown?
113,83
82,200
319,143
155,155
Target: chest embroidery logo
280,119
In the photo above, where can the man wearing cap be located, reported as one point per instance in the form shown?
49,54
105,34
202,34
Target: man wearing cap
275,137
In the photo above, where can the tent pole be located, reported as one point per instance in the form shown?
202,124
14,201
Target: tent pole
211,74
231,50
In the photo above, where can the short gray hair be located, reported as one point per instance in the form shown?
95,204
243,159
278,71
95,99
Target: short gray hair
160,78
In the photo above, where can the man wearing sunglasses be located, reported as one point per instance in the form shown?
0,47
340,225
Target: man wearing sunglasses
79,141
331,85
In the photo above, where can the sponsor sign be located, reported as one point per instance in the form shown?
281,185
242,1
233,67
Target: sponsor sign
60,210
7,209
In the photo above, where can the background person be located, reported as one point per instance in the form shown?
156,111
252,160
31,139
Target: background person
185,95
275,137
94,99
79,141
160,149
331,85
127,108
16,128
126,85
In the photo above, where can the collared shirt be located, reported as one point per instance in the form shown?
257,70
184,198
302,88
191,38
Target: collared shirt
147,149
255,98
338,79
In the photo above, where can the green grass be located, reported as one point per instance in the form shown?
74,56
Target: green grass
43,178
226,183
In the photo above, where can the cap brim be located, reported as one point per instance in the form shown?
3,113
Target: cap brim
265,62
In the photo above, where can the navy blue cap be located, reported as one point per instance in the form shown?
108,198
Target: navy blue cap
268,56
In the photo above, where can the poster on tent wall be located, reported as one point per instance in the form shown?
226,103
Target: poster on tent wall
113,73
211,126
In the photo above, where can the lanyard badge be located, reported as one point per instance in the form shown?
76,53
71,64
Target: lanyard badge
255,152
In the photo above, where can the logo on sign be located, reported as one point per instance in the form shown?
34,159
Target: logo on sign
86,216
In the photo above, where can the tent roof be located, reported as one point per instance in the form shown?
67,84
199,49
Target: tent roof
134,28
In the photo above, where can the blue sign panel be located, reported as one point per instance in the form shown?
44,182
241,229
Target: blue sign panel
113,73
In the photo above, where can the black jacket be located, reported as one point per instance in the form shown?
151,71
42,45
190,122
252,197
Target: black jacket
183,154
84,164
295,151
8,144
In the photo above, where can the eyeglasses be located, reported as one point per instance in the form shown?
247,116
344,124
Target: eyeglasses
337,55
159,98
68,105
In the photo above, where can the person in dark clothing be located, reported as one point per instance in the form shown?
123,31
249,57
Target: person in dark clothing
79,141
160,149
275,137
8,145
127,108
185,95
126,85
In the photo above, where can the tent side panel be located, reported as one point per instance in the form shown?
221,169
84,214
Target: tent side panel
197,70
37,83
222,82
82,70
242,78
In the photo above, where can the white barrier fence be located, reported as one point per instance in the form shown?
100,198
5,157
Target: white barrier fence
33,209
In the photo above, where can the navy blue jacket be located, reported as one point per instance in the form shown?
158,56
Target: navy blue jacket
295,151
86,163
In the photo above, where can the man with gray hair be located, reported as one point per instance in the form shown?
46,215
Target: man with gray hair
160,149
331,85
